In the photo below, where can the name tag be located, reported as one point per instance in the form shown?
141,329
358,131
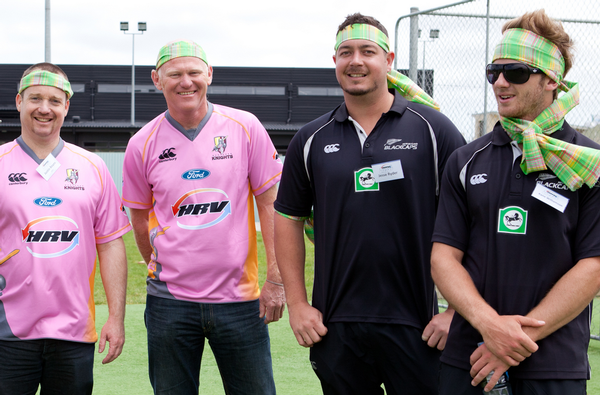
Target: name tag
48,167
388,171
550,197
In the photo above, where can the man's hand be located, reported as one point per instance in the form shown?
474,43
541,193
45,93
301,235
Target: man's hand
307,324
113,332
436,332
505,338
482,363
272,302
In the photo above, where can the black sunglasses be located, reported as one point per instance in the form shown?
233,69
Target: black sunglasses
515,73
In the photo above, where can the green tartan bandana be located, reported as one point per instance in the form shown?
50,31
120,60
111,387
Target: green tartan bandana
43,77
363,31
178,49
574,165
409,90
404,85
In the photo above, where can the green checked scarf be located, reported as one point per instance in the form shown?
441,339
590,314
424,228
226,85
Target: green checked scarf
574,165
404,85
178,49
43,77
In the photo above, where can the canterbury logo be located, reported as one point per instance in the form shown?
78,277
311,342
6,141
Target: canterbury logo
479,179
166,154
331,148
16,177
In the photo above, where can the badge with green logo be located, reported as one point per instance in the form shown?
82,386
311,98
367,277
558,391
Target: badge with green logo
512,220
364,180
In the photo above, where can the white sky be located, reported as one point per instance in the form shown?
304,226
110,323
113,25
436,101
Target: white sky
262,33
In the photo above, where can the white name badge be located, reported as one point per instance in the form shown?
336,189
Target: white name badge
48,167
388,171
550,197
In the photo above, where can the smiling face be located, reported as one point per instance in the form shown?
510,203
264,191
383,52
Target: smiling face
184,82
361,67
43,110
523,101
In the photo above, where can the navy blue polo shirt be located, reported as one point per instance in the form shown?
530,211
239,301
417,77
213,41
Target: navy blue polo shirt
372,239
516,247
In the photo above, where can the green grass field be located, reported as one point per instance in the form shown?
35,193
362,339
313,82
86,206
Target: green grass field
292,371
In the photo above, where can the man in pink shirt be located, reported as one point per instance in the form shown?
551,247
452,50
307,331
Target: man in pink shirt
190,178
59,208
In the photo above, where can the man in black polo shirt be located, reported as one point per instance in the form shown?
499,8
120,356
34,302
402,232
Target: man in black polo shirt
517,237
370,168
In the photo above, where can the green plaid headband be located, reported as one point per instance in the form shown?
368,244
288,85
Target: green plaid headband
363,31
527,47
178,49
43,77
574,165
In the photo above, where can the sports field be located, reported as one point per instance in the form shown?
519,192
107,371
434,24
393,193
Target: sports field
292,371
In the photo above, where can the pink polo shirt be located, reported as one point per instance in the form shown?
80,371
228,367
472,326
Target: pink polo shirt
50,229
201,195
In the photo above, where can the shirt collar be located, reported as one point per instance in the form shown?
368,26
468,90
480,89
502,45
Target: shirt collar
398,106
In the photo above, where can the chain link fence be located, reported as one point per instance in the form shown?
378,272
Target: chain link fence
448,47
449,43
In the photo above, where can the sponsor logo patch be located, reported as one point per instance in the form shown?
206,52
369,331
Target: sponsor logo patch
51,237
479,179
72,180
45,201
394,144
331,148
195,174
512,219
167,155
17,179
201,208
364,180
219,148
551,181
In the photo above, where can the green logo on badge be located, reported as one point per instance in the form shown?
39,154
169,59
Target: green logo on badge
512,220
365,181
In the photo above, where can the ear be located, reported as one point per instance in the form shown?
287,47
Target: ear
18,101
334,59
550,85
210,74
390,60
156,80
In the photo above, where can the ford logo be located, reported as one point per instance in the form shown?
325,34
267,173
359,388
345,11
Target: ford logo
195,174
47,201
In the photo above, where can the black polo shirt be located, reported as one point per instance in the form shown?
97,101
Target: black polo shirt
517,247
372,239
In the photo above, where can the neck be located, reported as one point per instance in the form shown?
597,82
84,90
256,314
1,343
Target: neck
41,148
367,109
189,119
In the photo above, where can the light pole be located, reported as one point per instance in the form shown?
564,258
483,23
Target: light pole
433,34
141,29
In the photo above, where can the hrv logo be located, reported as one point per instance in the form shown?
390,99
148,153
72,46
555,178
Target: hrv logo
48,243
204,210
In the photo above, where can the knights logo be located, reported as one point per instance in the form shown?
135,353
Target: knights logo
220,144
72,176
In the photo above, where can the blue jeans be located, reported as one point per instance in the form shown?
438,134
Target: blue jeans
237,336
60,367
